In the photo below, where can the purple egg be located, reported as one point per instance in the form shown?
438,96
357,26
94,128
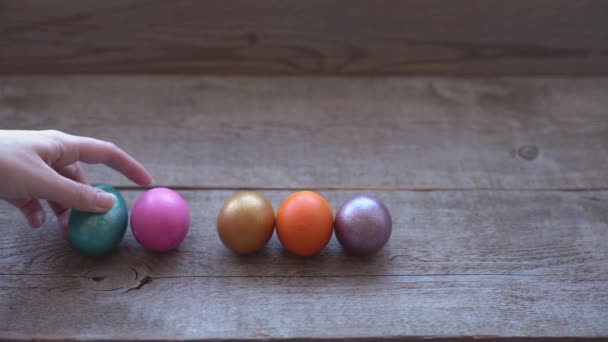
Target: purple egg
363,225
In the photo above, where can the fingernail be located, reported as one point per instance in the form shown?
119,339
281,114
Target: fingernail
104,200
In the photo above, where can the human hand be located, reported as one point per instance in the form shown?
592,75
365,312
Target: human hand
44,165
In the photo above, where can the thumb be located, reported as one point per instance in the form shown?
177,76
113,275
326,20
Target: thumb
71,194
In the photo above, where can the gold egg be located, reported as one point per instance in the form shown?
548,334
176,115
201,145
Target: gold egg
246,222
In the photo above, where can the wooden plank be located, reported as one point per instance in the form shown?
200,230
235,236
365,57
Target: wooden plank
315,36
460,264
280,308
323,132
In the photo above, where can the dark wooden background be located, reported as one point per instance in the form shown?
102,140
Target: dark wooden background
313,36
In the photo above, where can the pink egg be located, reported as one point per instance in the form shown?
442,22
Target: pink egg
160,219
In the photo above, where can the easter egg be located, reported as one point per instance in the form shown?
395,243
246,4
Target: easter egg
160,219
246,222
304,223
363,225
98,233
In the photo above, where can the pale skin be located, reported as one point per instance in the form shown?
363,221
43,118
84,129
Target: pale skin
38,166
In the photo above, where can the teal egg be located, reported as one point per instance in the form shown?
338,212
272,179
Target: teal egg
96,234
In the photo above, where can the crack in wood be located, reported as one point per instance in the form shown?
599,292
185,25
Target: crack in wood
134,270
145,280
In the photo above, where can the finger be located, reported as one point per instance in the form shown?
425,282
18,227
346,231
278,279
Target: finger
93,151
31,210
63,215
73,171
71,194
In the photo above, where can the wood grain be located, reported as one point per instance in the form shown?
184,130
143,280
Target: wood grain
324,132
314,36
459,263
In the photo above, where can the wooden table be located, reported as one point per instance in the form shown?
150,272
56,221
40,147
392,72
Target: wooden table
498,189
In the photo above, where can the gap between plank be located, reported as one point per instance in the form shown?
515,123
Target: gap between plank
423,275
352,188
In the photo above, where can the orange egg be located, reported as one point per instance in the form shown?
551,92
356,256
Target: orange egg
304,223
